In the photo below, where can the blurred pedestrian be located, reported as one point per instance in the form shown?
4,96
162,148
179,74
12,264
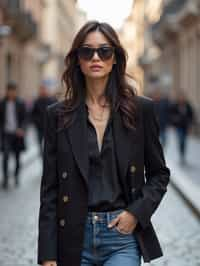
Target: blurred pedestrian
162,106
96,206
182,117
12,126
38,112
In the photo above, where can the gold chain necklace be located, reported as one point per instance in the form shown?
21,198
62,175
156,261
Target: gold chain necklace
94,117
100,118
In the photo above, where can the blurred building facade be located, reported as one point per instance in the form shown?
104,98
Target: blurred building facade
132,39
34,38
61,20
174,67
133,32
20,45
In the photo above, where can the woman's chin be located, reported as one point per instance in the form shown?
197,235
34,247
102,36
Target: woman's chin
97,75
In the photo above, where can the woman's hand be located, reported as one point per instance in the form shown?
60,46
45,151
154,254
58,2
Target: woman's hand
49,263
125,222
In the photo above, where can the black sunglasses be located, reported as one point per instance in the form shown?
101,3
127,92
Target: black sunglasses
87,53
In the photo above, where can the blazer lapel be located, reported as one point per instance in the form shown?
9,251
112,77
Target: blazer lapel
124,139
77,133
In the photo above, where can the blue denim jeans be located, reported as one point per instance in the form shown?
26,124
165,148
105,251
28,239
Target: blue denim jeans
105,246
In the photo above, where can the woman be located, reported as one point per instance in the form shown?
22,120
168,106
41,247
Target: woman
96,204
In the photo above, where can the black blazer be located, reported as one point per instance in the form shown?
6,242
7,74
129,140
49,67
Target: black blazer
64,186
21,116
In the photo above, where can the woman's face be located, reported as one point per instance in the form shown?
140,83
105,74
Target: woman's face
95,67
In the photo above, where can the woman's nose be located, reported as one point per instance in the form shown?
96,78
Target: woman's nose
96,56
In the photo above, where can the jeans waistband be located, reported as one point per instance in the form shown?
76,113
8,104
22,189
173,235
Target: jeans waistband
104,217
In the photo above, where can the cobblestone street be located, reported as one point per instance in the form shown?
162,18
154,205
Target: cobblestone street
178,232
178,228
18,223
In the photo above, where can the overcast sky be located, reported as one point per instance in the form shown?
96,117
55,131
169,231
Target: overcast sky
111,11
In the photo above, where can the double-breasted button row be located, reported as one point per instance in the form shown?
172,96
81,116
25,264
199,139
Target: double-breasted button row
64,175
65,200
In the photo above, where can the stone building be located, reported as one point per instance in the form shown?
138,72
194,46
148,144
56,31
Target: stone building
61,19
133,35
175,68
34,39
21,47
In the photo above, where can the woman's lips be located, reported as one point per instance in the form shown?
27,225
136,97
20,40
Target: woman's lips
96,67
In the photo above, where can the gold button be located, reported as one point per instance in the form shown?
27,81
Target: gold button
62,222
65,199
64,175
133,168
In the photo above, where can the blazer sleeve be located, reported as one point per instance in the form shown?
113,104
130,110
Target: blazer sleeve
156,172
47,240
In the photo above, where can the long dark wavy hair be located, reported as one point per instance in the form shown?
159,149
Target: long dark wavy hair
119,94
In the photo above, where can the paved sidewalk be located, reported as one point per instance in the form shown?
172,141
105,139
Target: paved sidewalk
186,178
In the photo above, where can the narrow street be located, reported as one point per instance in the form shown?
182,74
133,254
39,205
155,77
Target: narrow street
99,55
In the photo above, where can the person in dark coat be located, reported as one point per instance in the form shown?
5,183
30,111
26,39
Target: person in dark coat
182,117
96,203
12,128
38,112
162,106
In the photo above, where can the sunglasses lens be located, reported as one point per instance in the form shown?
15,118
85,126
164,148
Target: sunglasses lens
85,53
105,53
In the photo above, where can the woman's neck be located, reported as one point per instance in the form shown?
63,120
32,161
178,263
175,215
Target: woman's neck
95,90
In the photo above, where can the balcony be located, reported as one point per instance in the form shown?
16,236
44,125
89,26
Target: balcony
158,35
150,55
189,12
22,23
168,27
11,8
25,28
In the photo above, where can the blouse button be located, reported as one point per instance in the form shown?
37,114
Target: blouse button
133,168
65,199
96,218
62,222
133,189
